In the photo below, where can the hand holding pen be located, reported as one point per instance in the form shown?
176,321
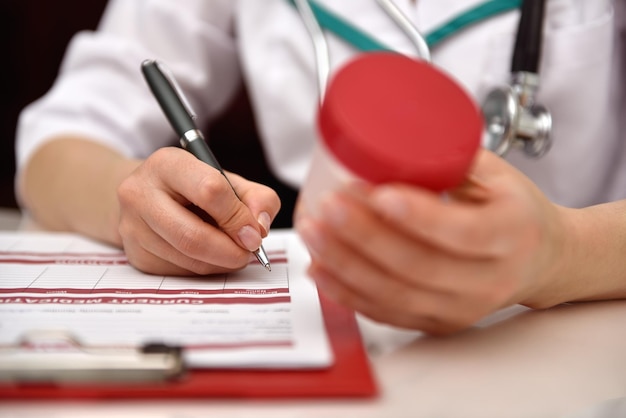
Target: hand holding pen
162,236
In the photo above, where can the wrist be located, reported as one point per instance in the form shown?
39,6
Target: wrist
547,287
590,264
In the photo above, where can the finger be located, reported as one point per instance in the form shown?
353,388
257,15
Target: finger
151,263
469,219
336,290
431,312
263,201
204,186
471,189
373,295
391,249
152,209
344,275
189,235
466,228
457,295
150,253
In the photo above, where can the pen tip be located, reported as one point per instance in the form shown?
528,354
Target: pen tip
263,259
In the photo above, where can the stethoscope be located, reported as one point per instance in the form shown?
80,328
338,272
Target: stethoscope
512,117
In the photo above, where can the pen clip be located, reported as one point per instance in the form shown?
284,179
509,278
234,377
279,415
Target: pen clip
169,76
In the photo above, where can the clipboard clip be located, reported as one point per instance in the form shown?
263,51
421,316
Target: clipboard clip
58,357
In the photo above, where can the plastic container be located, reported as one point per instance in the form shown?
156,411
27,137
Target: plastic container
390,118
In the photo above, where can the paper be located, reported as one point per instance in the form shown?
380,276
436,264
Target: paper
249,319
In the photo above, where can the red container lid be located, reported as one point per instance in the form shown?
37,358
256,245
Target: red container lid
391,118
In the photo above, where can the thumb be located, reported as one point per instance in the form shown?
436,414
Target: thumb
475,187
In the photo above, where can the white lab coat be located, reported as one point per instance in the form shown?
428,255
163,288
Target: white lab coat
211,44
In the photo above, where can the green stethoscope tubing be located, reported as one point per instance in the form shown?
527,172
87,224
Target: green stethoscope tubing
366,43
503,108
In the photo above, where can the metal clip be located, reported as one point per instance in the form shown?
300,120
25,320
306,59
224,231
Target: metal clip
56,357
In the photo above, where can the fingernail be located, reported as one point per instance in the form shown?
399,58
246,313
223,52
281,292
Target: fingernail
250,238
390,203
265,221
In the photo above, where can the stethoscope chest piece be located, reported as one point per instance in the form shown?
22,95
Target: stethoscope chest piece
511,115
512,119
500,113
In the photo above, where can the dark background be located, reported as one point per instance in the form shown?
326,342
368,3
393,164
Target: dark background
33,38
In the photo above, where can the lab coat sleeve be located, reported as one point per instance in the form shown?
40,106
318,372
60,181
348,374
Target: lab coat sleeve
100,92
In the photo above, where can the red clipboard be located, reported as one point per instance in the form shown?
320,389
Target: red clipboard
349,376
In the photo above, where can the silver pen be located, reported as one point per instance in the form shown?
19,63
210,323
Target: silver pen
173,103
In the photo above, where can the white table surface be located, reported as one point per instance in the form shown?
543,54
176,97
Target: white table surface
569,361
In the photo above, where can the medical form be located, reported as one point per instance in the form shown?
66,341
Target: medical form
251,318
